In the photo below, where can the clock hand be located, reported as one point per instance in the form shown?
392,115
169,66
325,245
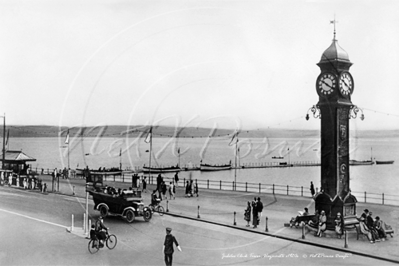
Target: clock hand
328,85
343,80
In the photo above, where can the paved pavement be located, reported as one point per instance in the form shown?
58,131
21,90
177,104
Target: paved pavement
226,208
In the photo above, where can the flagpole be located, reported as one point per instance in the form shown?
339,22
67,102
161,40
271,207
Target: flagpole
120,159
178,151
235,168
4,142
149,169
235,138
67,142
8,140
148,139
68,157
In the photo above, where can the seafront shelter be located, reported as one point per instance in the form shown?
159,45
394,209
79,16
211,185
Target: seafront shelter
17,162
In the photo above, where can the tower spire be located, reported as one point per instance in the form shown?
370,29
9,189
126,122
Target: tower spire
334,22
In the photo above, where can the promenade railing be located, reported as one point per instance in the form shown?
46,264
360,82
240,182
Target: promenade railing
259,188
250,187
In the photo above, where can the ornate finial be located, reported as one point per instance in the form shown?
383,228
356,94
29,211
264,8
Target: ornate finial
334,22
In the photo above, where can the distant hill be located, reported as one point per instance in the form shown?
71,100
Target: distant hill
166,131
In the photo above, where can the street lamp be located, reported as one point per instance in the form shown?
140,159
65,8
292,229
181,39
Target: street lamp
315,110
353,112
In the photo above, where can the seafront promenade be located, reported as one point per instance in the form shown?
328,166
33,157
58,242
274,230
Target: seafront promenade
369,196
226,209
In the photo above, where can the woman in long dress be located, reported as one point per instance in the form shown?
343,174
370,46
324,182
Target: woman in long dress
247,214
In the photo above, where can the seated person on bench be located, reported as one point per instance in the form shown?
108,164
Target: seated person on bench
322,224
339,223
364,229
296,221
380,227
315,220
370,225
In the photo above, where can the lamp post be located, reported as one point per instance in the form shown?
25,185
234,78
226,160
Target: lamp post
235,168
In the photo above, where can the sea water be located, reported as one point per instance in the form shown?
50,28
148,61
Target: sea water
133,153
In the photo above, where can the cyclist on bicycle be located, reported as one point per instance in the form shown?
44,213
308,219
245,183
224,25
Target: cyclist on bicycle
93,235
154,199
101,231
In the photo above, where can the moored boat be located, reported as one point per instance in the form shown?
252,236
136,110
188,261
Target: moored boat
171,169
385,162
112,171
356,162
212,167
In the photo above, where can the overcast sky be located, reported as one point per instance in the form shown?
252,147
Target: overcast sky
241,63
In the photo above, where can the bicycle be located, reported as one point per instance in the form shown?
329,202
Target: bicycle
157,208
110,241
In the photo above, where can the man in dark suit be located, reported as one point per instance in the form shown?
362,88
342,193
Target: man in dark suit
371,227
255,213
259,205
168,246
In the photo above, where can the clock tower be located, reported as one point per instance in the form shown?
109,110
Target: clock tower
335,86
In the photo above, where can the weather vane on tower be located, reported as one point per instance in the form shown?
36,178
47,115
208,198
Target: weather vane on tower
334,22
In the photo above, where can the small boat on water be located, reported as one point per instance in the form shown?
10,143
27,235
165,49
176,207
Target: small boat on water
156,170
277,157
356,162
213,167
112,171
385,162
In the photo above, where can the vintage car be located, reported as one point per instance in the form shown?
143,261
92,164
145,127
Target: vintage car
128,205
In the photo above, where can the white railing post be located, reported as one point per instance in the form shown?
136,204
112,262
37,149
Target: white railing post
84,222
72,223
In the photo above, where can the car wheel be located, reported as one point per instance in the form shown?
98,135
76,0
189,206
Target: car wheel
130,216
103,211
147,215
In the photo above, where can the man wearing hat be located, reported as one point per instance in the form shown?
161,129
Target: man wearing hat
371,226
168,246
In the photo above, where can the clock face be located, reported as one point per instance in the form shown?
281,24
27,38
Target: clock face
346,84
326,84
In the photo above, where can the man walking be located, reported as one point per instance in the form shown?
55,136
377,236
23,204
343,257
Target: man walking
176,180
168,246
259,205
254,213
312,189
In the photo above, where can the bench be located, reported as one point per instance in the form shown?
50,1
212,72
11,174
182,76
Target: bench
305,218
330,230
301,219
388,231
350,226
